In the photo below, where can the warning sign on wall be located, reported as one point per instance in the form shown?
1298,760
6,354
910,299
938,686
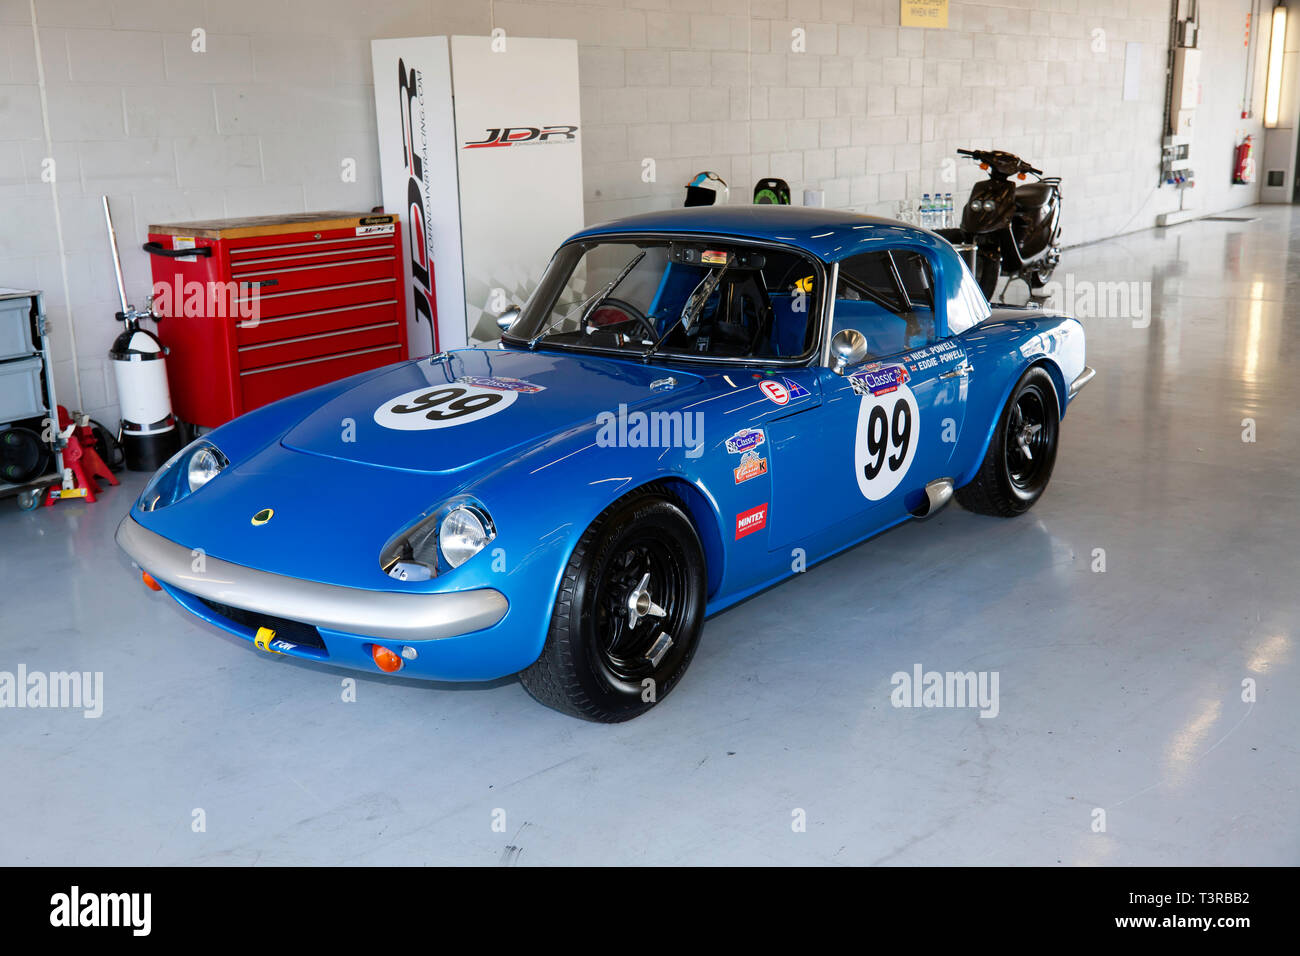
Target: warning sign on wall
923,13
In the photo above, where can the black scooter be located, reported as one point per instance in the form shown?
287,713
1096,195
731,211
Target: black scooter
1015,230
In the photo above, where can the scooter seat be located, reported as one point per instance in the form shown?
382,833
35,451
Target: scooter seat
1034,195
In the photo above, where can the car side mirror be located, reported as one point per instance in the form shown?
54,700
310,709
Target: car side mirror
507,318
848,348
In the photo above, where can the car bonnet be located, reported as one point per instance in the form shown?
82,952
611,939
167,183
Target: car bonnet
447,413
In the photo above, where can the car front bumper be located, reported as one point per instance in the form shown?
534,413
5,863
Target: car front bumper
382,615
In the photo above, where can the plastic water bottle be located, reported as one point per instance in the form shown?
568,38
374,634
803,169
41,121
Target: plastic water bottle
947,210
926,211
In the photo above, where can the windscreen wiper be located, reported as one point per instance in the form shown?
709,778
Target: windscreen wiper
690,311
595,301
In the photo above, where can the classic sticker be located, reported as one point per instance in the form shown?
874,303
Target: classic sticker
744,440
747,522
501,384
775,391
443,406
751,466
878,381
885,444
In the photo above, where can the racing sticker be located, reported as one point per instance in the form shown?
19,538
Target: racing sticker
878,380
377,230
775,391
751,466
744,440
443,406
747,522
888,425
501,384
794,388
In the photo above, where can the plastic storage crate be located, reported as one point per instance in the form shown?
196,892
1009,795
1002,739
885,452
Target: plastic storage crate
16,329
20,389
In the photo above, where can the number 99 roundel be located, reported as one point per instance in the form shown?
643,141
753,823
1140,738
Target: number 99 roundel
442,406
888,425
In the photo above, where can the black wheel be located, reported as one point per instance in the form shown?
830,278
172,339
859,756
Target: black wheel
1040,277
988,266
1022,452
629,613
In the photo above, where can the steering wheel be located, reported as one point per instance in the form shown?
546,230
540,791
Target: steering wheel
614,312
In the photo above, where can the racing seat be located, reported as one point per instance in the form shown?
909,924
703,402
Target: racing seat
742,319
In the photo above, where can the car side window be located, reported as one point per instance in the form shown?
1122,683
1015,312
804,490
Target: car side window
969,307
888,296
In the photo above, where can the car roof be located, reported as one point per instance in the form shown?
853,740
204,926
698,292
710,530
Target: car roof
829,234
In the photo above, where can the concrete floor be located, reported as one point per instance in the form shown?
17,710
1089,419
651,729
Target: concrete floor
1119,690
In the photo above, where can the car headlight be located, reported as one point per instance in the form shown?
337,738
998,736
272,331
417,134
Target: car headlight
445,539
205,464
462,534
184,473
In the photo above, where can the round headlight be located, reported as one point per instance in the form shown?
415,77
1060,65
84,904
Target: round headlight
461,536
205,464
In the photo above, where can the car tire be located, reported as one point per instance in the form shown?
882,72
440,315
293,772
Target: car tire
607,661
1008,483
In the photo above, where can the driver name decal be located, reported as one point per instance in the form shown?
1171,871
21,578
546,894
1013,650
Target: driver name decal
443,406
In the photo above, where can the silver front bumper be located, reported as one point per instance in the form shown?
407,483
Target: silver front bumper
383,614
1084,378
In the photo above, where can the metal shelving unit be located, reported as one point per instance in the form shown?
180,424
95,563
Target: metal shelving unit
46,409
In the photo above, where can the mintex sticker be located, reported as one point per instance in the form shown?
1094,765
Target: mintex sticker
378,230
747,522
501,384
751,466
878,381
775,391
744,440
712,257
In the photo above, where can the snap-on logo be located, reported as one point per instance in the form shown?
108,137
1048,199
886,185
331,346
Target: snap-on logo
524,136
747,522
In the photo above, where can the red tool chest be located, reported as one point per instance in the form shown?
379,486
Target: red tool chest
258,308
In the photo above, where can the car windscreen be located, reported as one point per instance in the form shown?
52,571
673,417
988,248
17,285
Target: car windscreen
696,298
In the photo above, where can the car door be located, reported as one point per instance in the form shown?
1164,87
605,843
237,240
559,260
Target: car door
888,425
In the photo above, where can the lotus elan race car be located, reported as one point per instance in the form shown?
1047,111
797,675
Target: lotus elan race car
687,398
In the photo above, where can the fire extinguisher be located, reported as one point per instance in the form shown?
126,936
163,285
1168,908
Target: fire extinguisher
1243,170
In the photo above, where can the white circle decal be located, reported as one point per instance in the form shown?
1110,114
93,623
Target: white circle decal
888,426
442,406
775,391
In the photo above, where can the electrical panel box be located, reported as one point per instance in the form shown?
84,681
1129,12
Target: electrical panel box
1187,79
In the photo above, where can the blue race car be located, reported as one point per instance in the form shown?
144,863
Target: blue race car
692,406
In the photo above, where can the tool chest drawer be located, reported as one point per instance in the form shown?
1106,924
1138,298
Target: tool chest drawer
261,386
265,307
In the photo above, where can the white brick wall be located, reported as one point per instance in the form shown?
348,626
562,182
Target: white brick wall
261,121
